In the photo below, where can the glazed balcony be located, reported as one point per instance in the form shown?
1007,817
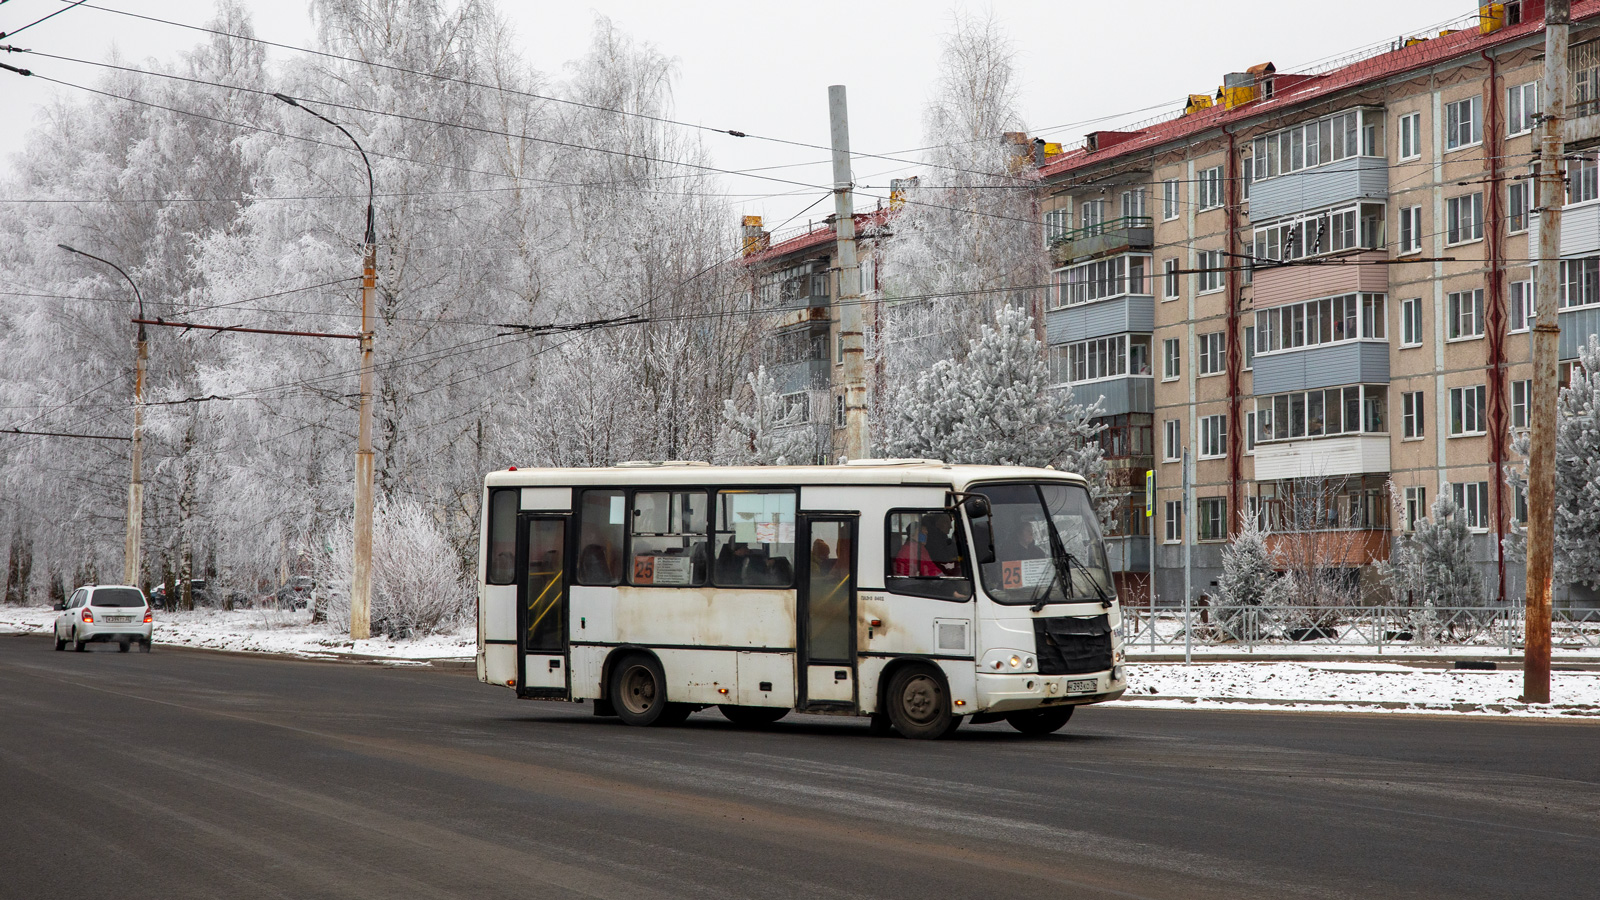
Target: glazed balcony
1112,236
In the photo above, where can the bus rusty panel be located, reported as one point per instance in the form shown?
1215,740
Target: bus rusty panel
706,616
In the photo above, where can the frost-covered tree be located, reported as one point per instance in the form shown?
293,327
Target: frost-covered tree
1247,580
417,583
1434,563
758,430
995,406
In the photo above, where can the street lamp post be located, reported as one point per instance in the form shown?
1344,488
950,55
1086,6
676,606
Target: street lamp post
131,542
361,570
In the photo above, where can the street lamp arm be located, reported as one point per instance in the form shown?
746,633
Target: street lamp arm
138,296
371,237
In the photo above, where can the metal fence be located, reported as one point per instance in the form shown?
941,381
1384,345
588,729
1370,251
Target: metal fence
1343,629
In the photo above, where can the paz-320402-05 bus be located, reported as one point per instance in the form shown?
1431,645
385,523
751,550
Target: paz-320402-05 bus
917,593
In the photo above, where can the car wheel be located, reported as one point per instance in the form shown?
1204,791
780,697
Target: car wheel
144,646
78,644
919,704
1040,722
639,692
752,716
122,646
61,642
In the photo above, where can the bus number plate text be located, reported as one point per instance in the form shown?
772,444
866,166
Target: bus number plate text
1082,685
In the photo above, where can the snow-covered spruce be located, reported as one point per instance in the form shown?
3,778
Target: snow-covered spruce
1246,583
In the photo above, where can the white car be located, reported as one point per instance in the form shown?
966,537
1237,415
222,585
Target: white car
105,612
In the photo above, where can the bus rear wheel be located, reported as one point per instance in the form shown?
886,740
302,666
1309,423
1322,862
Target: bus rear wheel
752,716
919,703
639,693
1040,722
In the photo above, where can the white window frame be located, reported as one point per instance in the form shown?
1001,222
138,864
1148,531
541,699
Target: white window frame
1416,506
1171,199
1056,225
1206,511
1519,307
1463,119
1212,354
1133,202
1211,264
1413,422
1468,415
1521,394
1519,206
1171,286
1522,105
1410,322
1250,433
1459,228
1210,188
1172,440
1214,436
1410,230
1464,308
1473,499
1173,520
1171,359
1410,139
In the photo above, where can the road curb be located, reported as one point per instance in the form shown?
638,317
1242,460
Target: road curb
1573,710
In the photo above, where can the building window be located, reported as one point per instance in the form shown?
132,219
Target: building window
1172,440
1169,199
1467,411
1171,359
1174,516
1212,519
1411,229
1519,502
1464,218
1092,213
1249,347
1416,506
1522,104
1517,205
1520,315
1463,123
1102,279
1055,225
1466,314
1411,136
1329,320
1213,437
1580,282
1169,279
1133,204
1521,392
1473,498
1582,182
1309,144
1356,409
1211,188
1359,226
1211,273
1411,414
1249,432
1111,357
1211,353
1411,322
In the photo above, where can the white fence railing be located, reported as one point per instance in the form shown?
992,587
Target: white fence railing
1343,629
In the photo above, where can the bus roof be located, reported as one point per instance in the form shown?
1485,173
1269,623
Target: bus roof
861,471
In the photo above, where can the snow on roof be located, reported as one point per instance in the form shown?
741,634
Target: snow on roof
857,472
1291,90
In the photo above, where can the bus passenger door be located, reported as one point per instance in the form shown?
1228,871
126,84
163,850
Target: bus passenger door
542,606
827,612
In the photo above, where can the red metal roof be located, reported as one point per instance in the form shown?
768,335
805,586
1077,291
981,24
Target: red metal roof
817,237
1290,90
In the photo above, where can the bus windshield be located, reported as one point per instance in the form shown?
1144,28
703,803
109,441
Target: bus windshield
1047,545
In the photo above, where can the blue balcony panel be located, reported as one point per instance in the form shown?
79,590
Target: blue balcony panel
1361,362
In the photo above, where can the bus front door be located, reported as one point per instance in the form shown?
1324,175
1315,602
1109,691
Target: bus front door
827,613
542,607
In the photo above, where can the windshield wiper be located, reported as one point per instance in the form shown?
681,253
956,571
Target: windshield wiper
1094,582
1040,599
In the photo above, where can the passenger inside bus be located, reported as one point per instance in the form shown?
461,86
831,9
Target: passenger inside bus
928,548
752,565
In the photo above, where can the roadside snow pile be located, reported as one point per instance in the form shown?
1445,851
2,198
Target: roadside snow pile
264,631
1367,686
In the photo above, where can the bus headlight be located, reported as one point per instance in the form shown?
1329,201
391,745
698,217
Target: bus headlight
1008,661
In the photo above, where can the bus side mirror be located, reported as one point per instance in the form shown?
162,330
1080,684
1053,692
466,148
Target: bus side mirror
977,509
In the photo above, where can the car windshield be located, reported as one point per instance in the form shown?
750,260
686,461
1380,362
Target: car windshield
117,597
1035,527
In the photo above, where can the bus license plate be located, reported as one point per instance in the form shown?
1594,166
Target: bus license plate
1078,687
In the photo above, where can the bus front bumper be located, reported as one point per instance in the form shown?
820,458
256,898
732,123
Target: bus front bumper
1007,693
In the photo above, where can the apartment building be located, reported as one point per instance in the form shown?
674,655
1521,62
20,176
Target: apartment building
1317,287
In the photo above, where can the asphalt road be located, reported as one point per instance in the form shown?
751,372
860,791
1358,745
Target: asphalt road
186,774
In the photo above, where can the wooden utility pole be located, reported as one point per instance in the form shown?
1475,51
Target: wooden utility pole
847,299
1546,341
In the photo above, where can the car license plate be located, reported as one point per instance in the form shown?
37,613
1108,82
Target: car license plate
1078,687
119,619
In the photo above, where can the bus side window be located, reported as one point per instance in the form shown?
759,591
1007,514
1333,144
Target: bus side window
669,538
503,506
924,556
755,540
600,525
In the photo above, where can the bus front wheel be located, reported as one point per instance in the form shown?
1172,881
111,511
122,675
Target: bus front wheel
639,693
919,703
1040,722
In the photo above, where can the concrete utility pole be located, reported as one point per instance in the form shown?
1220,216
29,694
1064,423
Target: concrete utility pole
847,301
1546,347
135,527
361,569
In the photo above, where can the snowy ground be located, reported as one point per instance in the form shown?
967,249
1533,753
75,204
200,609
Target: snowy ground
1321,685
264,631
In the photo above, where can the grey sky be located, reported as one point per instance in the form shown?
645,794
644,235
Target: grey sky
764,68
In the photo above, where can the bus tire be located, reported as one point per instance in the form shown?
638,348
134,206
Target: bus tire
919,703
752,716
1040,722
638,691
